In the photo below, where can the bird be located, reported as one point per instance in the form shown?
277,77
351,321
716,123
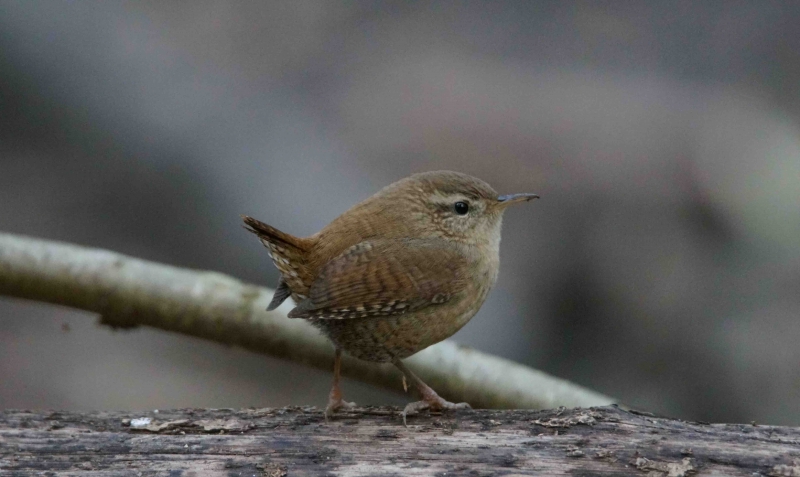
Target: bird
400,271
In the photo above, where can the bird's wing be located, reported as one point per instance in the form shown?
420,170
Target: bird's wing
384,278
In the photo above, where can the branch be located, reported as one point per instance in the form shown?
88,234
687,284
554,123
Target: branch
129,292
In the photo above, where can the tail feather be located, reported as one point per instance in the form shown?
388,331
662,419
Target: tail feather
288,254
271,234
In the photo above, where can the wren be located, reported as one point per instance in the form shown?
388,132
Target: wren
398,272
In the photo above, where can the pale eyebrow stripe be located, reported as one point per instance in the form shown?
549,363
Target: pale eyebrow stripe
451,198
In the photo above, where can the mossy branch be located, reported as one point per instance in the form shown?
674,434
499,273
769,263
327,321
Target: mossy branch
129,292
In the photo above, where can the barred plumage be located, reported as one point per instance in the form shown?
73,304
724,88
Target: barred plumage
400,271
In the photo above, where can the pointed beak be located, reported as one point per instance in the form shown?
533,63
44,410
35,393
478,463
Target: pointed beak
505,200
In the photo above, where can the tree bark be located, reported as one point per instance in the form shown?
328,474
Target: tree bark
373,441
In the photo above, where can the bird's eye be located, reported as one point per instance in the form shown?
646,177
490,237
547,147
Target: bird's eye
461,208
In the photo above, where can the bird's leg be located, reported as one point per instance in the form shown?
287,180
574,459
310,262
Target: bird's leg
430,400
335,401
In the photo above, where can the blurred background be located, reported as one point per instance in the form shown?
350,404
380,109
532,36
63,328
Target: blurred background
661,266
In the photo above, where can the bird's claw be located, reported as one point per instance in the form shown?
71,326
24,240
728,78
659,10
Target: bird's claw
336,404
438,404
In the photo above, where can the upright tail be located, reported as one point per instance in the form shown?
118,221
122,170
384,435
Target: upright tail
288,255
272,235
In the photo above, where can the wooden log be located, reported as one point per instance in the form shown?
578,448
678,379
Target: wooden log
373,441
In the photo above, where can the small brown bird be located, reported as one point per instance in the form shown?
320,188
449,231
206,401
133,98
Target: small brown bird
398,272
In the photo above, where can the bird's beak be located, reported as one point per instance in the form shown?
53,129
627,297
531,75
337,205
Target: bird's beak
505,200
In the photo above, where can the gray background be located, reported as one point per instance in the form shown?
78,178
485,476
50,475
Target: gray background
661,266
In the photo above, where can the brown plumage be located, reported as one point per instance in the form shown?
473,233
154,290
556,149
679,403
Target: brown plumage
398,272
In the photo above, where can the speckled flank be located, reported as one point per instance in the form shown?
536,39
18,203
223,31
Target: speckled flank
386,338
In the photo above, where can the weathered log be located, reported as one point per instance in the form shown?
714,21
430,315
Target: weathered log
373,441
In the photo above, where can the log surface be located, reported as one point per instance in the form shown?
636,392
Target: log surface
373,441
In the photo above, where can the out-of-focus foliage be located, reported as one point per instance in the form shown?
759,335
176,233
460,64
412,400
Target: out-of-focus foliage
662,264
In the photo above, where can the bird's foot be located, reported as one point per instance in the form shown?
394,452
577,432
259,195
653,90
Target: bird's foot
434,403
334,404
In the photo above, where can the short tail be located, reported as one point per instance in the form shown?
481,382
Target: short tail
288,254
272,235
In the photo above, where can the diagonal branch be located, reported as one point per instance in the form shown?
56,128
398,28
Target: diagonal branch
129,292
